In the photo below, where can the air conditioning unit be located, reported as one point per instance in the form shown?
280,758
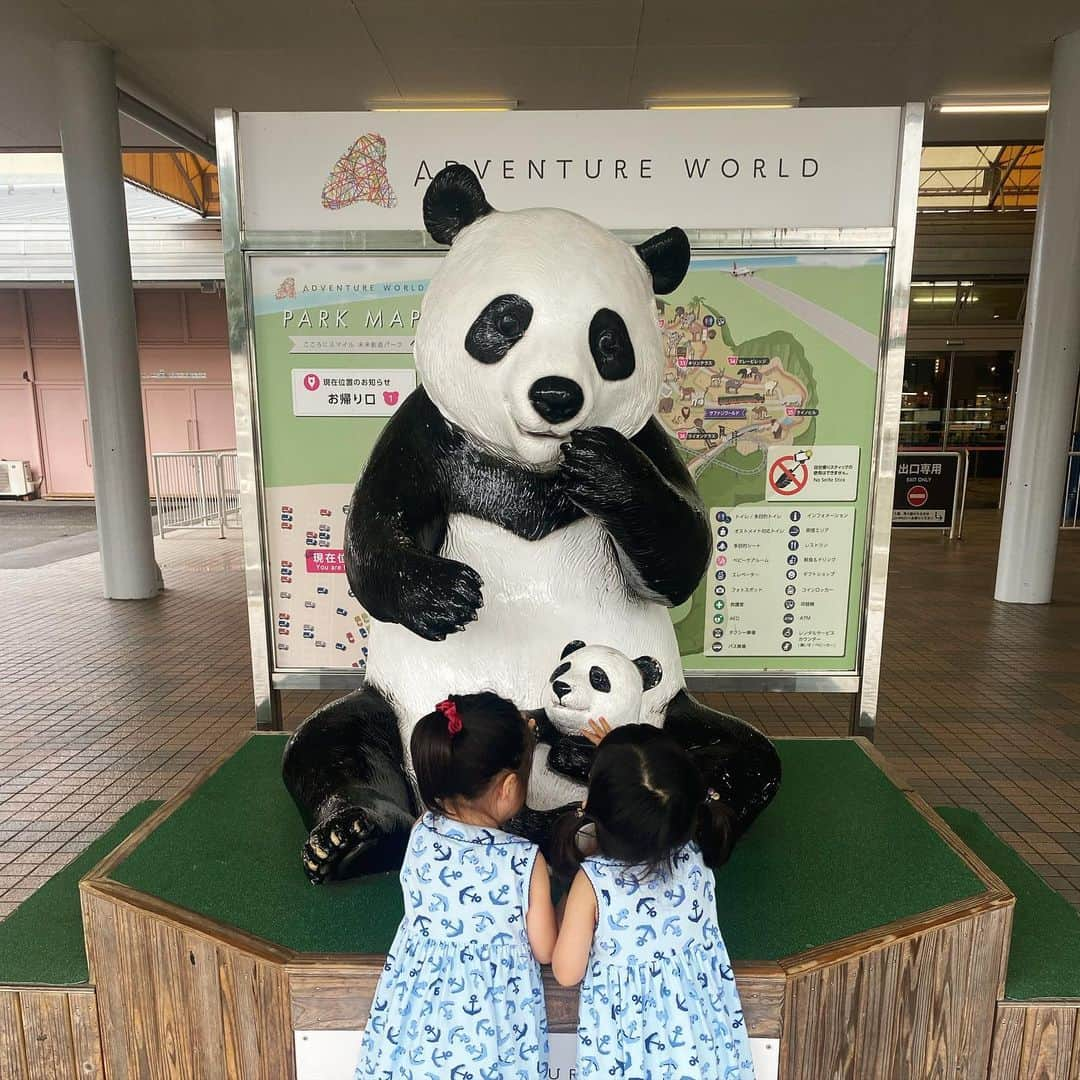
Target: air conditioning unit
16,478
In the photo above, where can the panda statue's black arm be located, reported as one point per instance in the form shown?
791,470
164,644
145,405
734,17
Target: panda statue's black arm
641,491
396,525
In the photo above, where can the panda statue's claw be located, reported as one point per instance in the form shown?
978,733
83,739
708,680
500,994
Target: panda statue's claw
332,844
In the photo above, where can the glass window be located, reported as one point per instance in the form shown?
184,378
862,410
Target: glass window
988,301
933,303
922,408
979,413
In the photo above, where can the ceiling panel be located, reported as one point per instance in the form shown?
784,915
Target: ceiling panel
553,78
457,24
695,23
302,54
268,79
223,24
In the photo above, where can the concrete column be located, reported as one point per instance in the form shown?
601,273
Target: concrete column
90,137
1050,355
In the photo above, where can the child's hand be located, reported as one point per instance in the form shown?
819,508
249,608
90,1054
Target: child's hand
595,730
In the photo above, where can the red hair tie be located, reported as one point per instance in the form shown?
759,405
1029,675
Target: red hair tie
450,711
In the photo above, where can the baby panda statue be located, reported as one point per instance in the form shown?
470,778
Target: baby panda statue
522,489
591,681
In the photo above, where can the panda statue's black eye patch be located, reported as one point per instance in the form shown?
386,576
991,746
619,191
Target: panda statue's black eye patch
610,345
598,680
498,328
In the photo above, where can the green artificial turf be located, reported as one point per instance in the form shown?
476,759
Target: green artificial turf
839,851
232,852
41,941
1044,956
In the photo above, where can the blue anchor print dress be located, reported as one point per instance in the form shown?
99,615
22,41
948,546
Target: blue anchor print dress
658,1001
460,997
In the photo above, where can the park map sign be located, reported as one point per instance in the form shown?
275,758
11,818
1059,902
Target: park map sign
769,391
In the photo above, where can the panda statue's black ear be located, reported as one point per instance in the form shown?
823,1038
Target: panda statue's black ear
667,255
651,671
453,199
571,646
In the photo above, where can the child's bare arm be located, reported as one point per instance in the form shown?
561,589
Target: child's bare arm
540,920
571,956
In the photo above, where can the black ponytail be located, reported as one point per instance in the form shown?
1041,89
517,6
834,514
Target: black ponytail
563,850
715,830
460,747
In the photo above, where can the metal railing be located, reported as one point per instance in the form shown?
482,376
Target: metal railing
196,489
1070,510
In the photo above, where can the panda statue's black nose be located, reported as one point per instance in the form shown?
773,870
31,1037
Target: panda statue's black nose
556,399
561,689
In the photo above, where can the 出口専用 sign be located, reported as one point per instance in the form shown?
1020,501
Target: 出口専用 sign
925,495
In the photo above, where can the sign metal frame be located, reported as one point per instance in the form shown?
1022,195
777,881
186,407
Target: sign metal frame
897,243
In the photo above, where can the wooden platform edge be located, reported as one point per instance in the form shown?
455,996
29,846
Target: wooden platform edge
996,893
334,992
50,1033
1036,1040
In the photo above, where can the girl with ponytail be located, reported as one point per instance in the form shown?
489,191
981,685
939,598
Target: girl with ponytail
478,914
658,996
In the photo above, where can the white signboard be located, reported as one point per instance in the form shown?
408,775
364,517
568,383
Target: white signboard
331,1055
779,581
812,474
349,392
808,168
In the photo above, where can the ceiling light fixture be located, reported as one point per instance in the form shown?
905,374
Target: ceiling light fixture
399,105
1013,103
722,103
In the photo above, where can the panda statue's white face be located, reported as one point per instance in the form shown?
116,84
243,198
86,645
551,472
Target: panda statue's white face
538,323
591,681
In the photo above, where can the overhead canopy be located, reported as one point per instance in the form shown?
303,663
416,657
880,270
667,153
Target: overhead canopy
543,54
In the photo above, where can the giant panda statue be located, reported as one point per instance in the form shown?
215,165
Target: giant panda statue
522,495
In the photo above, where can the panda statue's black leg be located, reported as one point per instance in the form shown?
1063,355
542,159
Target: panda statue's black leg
738,761
345,769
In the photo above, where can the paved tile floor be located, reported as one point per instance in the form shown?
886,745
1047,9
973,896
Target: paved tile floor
105,704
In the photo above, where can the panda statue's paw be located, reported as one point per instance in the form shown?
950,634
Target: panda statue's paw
333,843
445,597
599,469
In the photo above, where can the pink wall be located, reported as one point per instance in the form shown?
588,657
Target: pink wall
183,356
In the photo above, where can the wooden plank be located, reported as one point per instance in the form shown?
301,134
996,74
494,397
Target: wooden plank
761,991
877,1009
47,1039
85,1035
819,1025
168,998
950,995
12,1046
1074,1068
1075,1064
913,1006
102,934
277,1057
1008,1044
138,973
236,974
983,974
1048,1041
199,963
331,1002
